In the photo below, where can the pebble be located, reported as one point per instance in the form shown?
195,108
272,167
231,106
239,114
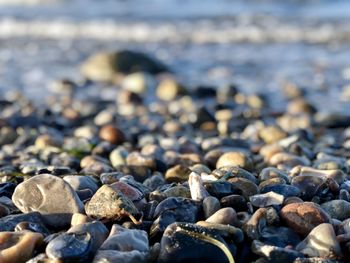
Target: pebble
235,159
112,134
110,204
70,247
178,173
321,242
337,209
225,216
49,195
168,89
17,247
303,217
268,199
97,231
198,192
143,168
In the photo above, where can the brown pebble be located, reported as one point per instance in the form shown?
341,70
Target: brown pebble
303,217
112,134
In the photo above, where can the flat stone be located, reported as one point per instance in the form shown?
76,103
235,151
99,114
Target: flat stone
49,195
268,199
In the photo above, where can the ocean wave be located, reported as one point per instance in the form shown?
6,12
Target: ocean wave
203,31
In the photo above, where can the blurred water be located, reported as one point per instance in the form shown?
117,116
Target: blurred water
257,44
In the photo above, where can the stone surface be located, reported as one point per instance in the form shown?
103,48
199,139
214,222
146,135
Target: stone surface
49,195
224,216
18,247
268,199
303,217
110,204
210,206
235,159
337,209
321,242
112,134
70,247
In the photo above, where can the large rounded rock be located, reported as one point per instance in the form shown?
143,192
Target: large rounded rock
105,67
49,195
303,217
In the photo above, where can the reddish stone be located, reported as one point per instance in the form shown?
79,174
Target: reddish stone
303,217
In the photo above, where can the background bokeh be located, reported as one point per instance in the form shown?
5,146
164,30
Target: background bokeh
259,45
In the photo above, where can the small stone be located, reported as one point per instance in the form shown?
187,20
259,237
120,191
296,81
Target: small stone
271,134
177,173
49,195
70,247
254,226
303,217
80,182
138,83
274,253
178,191
112,134
97,231
247,187
210,206
288,160
308,185
237,202
118,157
46,140
321,242
124,245
224,216
110,204
78,219
8,223
138,159
283,189
198,192
17,247
268,199
235,159
168,89
337,209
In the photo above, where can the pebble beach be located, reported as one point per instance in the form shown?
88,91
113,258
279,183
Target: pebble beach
138,159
